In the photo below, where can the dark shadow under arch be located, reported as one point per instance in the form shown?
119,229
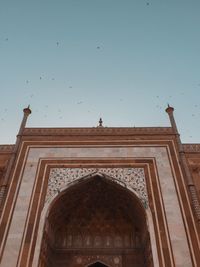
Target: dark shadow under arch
97,264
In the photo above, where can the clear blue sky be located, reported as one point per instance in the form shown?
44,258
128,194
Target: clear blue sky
76,60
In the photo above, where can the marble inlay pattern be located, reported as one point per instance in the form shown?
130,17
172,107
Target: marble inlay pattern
134,178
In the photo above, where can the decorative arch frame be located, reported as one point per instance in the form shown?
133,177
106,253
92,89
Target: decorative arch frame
50,203
137,183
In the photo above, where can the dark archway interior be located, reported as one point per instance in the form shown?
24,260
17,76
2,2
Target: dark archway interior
97,264
96,217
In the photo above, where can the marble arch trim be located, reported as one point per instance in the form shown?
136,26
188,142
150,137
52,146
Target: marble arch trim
175,224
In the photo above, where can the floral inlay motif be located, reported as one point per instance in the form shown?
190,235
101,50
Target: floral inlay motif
133,178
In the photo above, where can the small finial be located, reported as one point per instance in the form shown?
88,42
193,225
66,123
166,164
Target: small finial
169,109
100,122
27,110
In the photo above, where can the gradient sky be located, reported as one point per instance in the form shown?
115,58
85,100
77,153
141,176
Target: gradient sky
76,60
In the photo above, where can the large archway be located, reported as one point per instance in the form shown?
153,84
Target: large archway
96,220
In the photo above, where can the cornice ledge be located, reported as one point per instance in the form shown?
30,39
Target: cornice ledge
98,130
192,148
6,148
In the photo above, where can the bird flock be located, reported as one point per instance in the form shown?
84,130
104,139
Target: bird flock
196,107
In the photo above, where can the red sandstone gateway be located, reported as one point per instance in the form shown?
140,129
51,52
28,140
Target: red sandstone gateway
97,197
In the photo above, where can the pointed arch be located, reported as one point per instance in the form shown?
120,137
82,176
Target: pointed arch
144,212
103,175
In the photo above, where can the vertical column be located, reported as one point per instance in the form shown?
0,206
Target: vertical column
3,187
184,165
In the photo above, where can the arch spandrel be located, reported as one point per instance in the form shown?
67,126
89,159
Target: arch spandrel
132,178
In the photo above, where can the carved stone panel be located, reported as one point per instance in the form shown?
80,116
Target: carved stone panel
133,178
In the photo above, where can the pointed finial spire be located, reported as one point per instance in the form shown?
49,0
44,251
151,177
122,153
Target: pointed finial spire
170,112
169,109
100,123
27,110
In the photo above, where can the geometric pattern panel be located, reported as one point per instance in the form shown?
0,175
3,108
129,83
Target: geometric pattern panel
133,178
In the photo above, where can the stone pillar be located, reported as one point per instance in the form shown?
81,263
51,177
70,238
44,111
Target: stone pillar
184,165
6,178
